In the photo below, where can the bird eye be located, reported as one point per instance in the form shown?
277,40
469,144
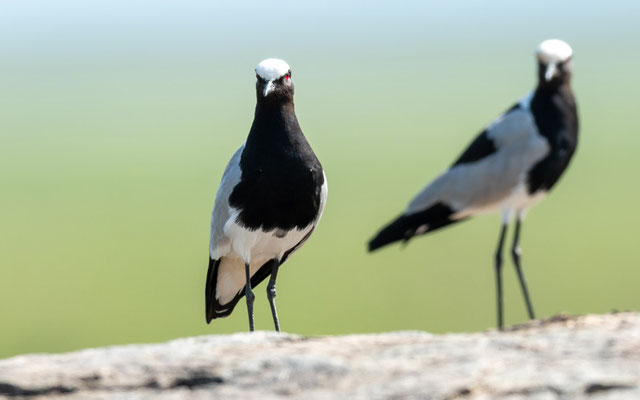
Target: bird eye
286,77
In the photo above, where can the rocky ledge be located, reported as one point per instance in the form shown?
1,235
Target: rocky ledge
588,357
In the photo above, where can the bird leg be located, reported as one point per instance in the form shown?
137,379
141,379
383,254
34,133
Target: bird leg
249,295
271,294
515,254
498,266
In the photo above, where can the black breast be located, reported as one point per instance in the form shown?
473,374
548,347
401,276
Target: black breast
278,193
556,118
281,178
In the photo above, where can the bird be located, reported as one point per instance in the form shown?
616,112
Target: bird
509,167
270,199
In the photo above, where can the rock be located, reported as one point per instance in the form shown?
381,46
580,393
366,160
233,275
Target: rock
589,357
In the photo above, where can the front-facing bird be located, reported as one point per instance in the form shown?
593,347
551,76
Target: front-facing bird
512,164
270,200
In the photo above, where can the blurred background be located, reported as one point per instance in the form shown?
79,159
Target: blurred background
117,119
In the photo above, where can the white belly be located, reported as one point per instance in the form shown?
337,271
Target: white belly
517,202
258,246
520,201
253,246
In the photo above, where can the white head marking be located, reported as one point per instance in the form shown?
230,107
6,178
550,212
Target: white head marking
553,51
272,69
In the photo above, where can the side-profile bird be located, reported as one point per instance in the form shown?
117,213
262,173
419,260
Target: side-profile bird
270,200
509,166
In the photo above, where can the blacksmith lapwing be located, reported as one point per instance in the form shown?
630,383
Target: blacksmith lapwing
270,200
510,166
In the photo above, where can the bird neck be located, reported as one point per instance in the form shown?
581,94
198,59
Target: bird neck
556,85
555,113
275,124
274,108
561,89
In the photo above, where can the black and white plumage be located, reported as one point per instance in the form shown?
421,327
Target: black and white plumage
270,200
510,166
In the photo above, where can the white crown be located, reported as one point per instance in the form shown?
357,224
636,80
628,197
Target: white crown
272,69
553,51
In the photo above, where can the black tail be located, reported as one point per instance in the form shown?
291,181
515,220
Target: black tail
406,226
213,307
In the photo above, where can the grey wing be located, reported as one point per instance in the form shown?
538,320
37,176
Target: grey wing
219,244
324,191
485,182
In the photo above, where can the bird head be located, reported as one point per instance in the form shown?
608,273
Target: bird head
554,61
273,80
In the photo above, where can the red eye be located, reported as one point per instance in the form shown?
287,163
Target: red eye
286,77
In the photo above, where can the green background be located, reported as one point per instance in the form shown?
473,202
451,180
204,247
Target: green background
117,119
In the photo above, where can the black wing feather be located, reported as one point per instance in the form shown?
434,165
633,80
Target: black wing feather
481,147
405,226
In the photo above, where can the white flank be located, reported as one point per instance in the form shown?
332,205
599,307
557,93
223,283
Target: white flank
272,69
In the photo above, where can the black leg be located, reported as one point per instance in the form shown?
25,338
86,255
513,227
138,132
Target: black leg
249,295
515,253
498,265
271,294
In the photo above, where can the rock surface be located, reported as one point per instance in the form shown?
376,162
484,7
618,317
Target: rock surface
589,357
